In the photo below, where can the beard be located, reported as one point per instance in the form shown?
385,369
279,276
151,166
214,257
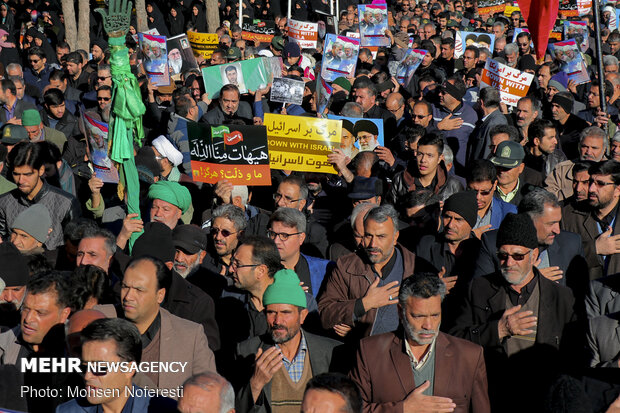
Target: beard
176,65
414,335
284,335
183,271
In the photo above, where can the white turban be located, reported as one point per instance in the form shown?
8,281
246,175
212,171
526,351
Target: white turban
167,149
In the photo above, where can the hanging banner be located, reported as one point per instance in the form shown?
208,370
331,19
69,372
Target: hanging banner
568,8
233,152
155,58
261,31
302,144
491,6
203,43
511,83
98,144
303,33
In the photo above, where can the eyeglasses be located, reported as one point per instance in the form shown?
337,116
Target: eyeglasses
103,77
34,60
503,256
234,264
100,370
599,183
225,233
277,196
397,109
283,235
105,99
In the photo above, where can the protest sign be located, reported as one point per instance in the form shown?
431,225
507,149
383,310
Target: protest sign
97,133
568,8
303,33
155,58
572,29
584,7
511,9
373,25
261,31
298,143
364,137
203,43
491,6
477,39
511,83
285,90
339,57
180,56
324,92
571,61
407,67
246,74
237,153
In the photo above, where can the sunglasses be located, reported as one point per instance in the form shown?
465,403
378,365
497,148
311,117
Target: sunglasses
486,192
103,77
225,233
105,99
419,116
34,61
503,256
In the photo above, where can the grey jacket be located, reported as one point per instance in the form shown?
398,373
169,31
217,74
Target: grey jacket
63,207
603,341
9,347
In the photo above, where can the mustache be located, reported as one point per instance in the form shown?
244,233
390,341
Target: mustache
373,250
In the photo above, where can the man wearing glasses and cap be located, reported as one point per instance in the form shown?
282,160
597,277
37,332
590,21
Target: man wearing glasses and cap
519,317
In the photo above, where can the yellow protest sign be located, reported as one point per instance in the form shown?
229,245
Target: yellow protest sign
203,43
302,144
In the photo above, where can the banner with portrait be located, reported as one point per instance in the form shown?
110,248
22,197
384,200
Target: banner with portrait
410,63
237,153
373,20
203,43
367,134
339,57
180,56
246,75
570,60
298,143
155,58
476,39
572,29
98,144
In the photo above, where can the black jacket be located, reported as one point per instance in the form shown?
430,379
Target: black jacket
446,184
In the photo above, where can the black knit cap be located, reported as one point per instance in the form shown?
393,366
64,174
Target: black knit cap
156,241
465,204
517,229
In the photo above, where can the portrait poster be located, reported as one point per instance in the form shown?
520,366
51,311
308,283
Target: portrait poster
571,29
261,31
339,57
324,92
285,90
155,58
298,143
511,83
246,74
98,144
180,56
373,20
237,153
477,39
363,140
305,34
203,43
570,59
407,67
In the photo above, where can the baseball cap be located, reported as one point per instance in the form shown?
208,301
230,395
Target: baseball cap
364,188
189,238
508,154
277,43
12,134
233,53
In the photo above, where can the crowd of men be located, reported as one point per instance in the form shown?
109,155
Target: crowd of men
468,263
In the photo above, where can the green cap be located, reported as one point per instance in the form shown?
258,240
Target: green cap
12,134
233,53
343,83
452,23
285,290
490,21
278,43
31,117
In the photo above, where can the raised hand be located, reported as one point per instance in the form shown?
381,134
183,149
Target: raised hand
117,18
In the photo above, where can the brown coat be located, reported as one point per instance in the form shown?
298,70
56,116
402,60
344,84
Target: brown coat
384,375
349,282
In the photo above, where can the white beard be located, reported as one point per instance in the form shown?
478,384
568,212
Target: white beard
176,66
